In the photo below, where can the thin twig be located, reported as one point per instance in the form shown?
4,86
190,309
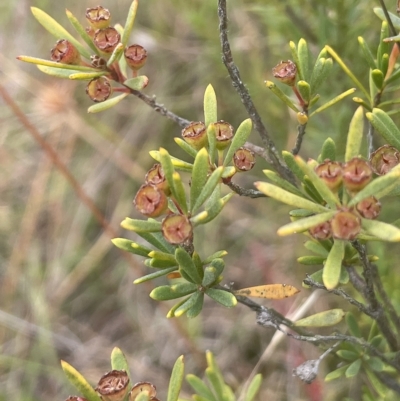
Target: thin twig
251,193
301,130
259,151
241,89
388,19
370,139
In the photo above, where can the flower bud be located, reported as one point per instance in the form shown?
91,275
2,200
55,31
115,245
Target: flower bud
65,52
369,208
321,231
331,173
302,118
98,62
384,159
98,17
99,89
307,371
151,201
140,387
224,134
177,229
155,176
357,173
195,134
244,159
113,386
135,56
345,225
285,72
106,39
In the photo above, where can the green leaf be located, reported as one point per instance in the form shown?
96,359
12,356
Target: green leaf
176,163
55,29
347,355
305,90
253,388
295,58
208,188
303,55
322,319
167,292
107,104
188,304
333,101
278,92
311,260
328,150
280,182
336,373
378,78
186,147
81,31
156,239
321,71
301,225
362,103
348,72
197,307
186,263
130,246
180,192
160,263
79,382
291,163
119,362
383,231
162,256
199,176
141,225
130,19
355,134
380,388
331,199
217,382
151,276
367,53
56,72
213,210
376,364
288,198
379,187
352,324
395,19
224,298
175,382
200,387
168,168
240,138
385,126
137,83
333,264
210,106
54,64
116,54
353,369
317,247
86,76
212,273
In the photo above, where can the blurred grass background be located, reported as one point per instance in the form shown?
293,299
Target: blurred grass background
66,292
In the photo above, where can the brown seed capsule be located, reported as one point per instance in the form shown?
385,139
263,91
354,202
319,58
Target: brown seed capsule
106,39
99,89
357,173
113,386
135,56
244,159
345,225
369,208
155,176
384,159
331,173
151,201
224,134
98,62
195,134
65,52
307,371
321,231
98,17
140,387
285,72
177,229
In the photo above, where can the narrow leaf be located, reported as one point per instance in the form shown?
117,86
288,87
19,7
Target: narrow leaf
378,78
253,388
322,69
322,319
291,163
311,260
395,19
176,163
224,298
85,76
318,247
179,191
385,126
130,19
212,140
156,239
303,54
151,276
54,64
79,382
336,373
278,92
210,106
333,265
107,104
186,147
383,231
208,188
333,101
56,72
301,225
200,387
187,265
141,225
188,304
197,307
295,58
288,198
280,182
269,291
161,256
328,150
199,176
55,29
119,362
213,210
353,369
137,83
130,246
367,53
175,382
240,138
355,134
167,292
305,90
116,54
